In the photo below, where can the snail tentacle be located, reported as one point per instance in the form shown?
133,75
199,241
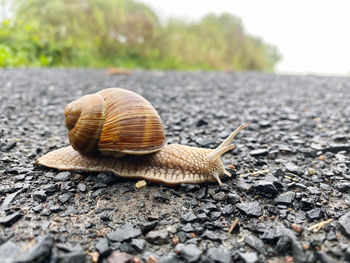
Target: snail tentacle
224,146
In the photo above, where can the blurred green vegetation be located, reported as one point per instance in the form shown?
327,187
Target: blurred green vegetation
127,34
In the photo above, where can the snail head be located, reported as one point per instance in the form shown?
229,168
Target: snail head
215,155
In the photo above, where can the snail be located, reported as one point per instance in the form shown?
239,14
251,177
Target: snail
119,131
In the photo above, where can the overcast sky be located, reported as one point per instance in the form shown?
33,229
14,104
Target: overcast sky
313,36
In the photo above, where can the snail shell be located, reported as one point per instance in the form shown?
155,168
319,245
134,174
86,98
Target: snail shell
114,122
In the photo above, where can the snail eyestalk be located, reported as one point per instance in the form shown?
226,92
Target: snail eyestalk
224,146
227,173
217,178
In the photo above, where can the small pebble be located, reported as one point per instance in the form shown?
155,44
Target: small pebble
123,233
140,184
220,196
40,195
62,176
344,223
219,254
259,152
158,237
81,187
10,219
250,209
190,252
188,217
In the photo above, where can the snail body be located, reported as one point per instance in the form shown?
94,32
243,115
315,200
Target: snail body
170,164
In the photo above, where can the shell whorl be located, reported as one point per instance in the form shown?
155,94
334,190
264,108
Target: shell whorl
114,122
84,120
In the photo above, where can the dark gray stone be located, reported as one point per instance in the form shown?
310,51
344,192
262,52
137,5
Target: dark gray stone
205,142
250,209
331,235
201,122
46,212
40,195
207,207
315,214
344,223
170,258
286,198
187,228
8,252
138,245
211,235
255,243
51,188
188,217
264,123
201,193
9,199
283,244
39,252
55,208
220,196
248,257
69,253
298,252
158,237
215,215
259,152
123,233
190,252
343,187
291,167
219,254
148,226
202,217
38,208
106,178
227,209
159,196
11,219
266,188
63,176
63,198
103,247
335,148
233,198
69,247
272,235
347,254
72,257
126,247
81,187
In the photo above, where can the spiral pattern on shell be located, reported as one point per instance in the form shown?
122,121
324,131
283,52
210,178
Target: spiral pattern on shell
114,122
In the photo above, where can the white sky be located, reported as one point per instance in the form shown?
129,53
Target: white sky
312,36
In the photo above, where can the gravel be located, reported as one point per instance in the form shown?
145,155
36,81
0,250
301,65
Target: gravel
289,190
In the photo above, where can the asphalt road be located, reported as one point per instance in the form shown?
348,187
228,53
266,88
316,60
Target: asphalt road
288,200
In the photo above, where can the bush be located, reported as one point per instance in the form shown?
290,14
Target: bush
125,33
